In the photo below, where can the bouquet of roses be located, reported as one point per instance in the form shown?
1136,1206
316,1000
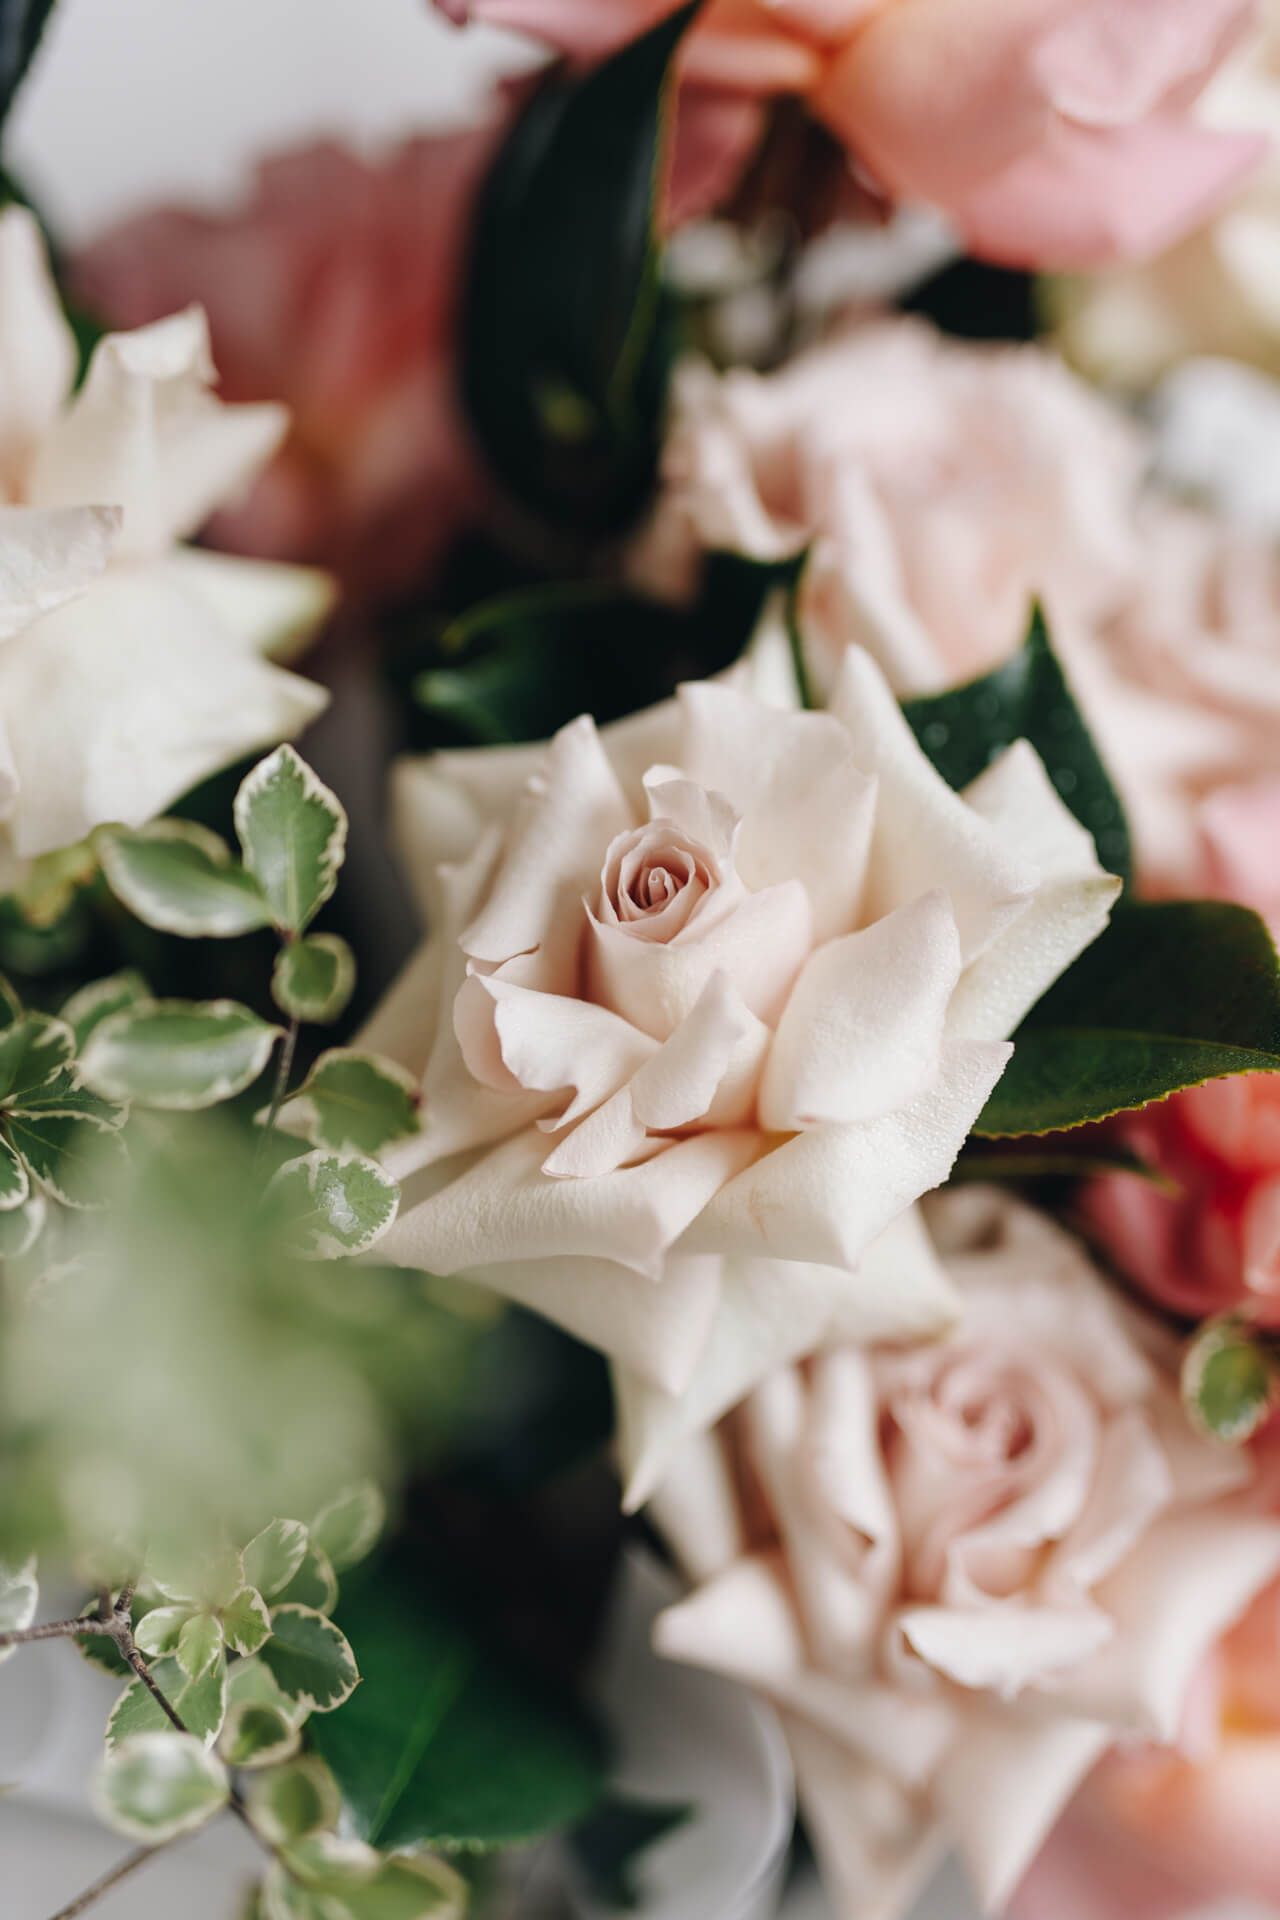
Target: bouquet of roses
737,1059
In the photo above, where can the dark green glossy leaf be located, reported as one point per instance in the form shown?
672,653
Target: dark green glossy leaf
1169,995
22,22
1027,698
565,350
443,1744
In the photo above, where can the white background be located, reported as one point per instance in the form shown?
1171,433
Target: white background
136,100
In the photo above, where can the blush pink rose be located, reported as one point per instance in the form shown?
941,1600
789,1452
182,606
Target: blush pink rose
938,488
1051,131
333,288
1156,1834
963,1572
709,999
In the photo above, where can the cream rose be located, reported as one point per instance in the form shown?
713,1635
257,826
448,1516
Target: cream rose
143,672
963,1571
708,1001
938,488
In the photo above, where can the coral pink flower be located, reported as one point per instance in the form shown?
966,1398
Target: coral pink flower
1051,131
1155,1834
334,288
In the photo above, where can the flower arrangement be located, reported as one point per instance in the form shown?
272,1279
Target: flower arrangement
750,1025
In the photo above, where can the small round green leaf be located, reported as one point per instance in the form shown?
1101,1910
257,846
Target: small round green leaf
90,1005
180,878
293,832
334,1204
200,1644
33,1050
1229,1382
255,1735
348,1528
178,1054
200,1704
315,1584
273,1556
246,1621
355,1100
76,1157
159,1631
19,1597
313,978
309,1659
155,1786
292,1801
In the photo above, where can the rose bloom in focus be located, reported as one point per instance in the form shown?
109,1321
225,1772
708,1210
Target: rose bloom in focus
964,1571
938,489
1155,1834
710,998
1052,132
333,288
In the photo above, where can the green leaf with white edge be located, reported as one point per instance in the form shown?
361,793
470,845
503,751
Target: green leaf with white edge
1026,698
250,1683
33,1051
254,1736
19,1598
355,1100
292,1801
200,1644
400,1888
159,1631
309,1659
1230,1382
178,1054
274,1555
207,1580
178,877
21,1227
332,1860
66,1093
90,1005
1170,994
407,1889
293,833
445,1744
76,1157
333,1204
154,1786
15,1181
347,1529
314,978
201,1704
246,1621
315,1584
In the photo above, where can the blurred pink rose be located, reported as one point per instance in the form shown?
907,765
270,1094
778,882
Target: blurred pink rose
1155,1834
333,289
964,1571
938,488
1053,132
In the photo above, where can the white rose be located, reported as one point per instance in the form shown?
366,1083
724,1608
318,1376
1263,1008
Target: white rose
962,1571
143,672
708,1001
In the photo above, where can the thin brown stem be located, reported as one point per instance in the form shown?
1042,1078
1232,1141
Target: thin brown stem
143,1671
280,1090
52,1630
112,1878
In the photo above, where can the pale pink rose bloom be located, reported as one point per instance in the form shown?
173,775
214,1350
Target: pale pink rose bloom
939,487
1052,132
964,1571
1153,1834
709,999
334,288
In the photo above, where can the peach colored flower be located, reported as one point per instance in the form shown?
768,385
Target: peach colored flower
938,487
709,999
334,288
1155,1834
1051,131
964,1571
